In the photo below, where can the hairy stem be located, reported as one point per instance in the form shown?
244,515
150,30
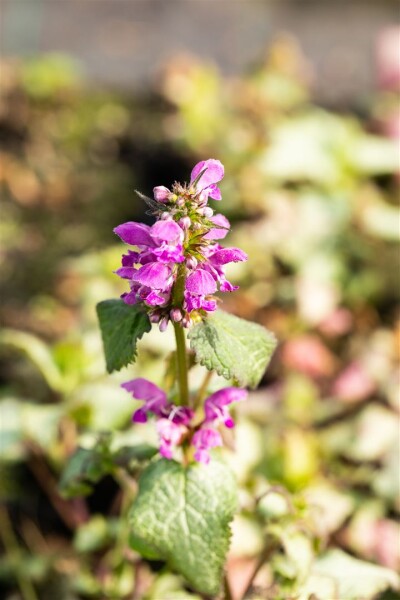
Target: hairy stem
181,365
181,357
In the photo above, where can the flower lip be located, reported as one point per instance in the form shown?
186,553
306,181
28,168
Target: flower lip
201,283
135,234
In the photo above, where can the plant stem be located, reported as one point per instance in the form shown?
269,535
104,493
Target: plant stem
181,365
181,358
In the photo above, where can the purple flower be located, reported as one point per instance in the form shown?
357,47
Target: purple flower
155,399
215,405
217,258
203,440
199,285
151,270
207,182
170,434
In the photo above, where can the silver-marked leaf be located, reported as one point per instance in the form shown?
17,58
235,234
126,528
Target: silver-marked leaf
352,578
234,348
122,325
182,515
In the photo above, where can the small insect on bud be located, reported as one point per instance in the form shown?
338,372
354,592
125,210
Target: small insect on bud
185,223
176,315
163,324
161,193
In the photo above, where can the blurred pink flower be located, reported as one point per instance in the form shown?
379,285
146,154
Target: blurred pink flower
309,355
353,384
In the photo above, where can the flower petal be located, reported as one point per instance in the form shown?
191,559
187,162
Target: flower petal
214,192
201,283
219,232
227,396
227,255
154,275
213,174
143,389
135,234
167,231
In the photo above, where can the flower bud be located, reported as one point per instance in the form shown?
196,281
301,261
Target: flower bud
206,211
185,223
176,315
187,321
154,317
161,193
163,324
191,262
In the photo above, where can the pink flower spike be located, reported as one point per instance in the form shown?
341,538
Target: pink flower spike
203,440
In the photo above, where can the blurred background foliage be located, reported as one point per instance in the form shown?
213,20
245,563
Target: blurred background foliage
312,197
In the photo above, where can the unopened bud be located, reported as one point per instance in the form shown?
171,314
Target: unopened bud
176,314
206,211
154,317
191,262
185,223
161,193
163,324
186,321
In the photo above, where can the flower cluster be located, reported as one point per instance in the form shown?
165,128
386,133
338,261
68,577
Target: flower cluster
181,246
175,424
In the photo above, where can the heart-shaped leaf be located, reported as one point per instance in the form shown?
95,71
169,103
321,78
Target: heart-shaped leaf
235,348
182,515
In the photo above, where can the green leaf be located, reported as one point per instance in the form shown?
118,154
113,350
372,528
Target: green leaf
85,468
37,352
183,515
121,326
235,348
352,578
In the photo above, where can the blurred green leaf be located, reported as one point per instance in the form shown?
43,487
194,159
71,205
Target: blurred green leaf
85,468
353,579
234,348
37,352
121,326
183,514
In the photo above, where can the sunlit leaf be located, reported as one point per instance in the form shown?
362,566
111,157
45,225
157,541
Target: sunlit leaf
183,515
